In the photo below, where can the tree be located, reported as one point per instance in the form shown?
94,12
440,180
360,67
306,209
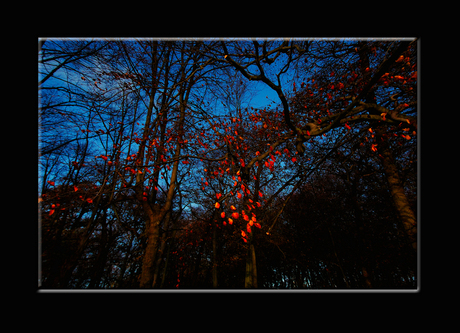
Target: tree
332,108
168,177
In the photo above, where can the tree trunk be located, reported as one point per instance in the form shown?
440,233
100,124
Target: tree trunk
163,277
152,232
250,280
406,214
214,254
156,215
163,240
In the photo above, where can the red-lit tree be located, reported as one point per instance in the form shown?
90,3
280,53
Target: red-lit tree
357,84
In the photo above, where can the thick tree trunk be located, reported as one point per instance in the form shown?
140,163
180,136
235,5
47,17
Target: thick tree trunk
152,232
400,201
399,197
156,215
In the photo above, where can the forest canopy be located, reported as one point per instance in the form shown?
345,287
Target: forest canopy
159,168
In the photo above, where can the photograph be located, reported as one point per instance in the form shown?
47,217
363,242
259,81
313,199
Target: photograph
238,164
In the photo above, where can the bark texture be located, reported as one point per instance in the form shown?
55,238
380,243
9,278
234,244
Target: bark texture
251,268
152,233
401,203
